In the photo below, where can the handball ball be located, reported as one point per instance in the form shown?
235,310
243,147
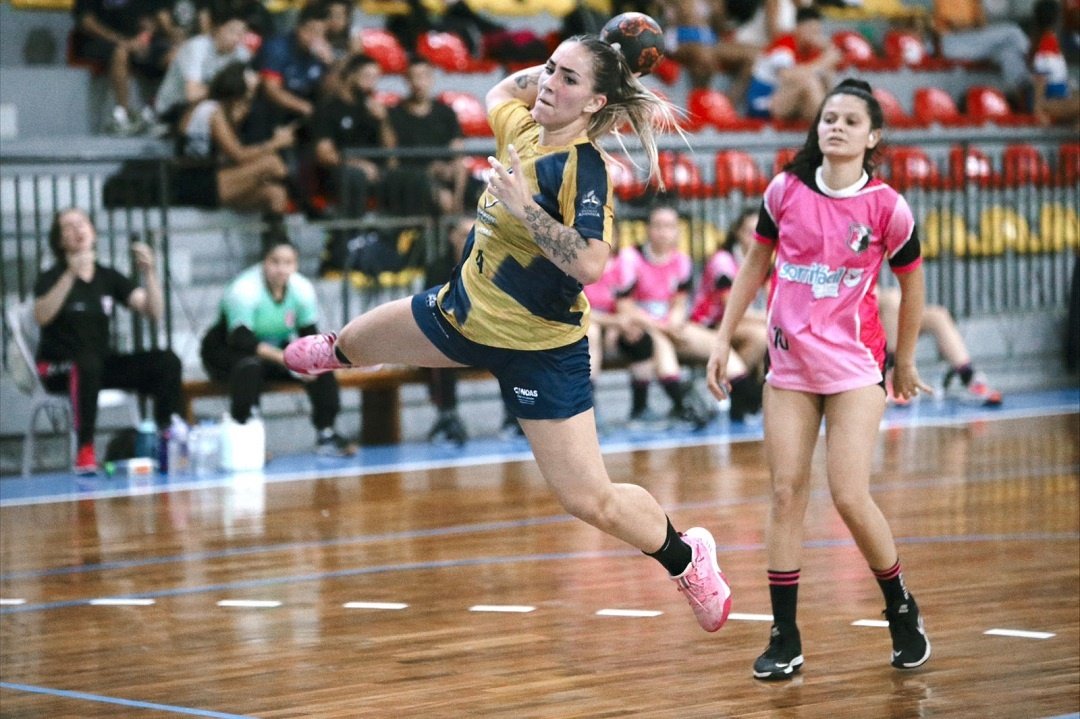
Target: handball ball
640,40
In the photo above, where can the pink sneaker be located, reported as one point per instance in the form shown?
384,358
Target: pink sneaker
702,583
979,392
313,354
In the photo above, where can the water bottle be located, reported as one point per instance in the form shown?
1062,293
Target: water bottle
178,450
146,440
206,448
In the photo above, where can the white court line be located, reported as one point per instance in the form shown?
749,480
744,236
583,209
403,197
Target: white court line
750,617
249,603
120,602
375,605
1019,633
12,601
870,623
628,613
512,608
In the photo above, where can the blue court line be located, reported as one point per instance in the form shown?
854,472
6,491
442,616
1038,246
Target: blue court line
122,702
495,561
48,488
936,481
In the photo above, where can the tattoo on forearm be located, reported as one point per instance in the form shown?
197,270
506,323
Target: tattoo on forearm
558,240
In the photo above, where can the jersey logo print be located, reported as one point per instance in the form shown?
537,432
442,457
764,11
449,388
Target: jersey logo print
859,237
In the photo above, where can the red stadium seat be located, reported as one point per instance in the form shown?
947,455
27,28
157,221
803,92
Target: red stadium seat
624,178
895,115
858,51
1068,169
1024,164
738,171
712,107
988,104
934,105
682,175
783,156
911,167
448,52
667,71
973,166
471,113
904,48
384,48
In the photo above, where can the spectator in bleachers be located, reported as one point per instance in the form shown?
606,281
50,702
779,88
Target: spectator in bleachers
126,37
961,378
293,66
768,20
245,176
352,119
750,340
344,39
198,60
791,77
963,34
74,304
655,295
422,121
1053,101
263,309
693,43
614,332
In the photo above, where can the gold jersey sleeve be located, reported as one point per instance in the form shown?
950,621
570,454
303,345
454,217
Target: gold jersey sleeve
506,293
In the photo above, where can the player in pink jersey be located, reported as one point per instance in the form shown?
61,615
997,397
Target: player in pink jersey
657,298
745,363
830,225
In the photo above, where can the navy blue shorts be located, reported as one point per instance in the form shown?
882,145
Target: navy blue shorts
535,384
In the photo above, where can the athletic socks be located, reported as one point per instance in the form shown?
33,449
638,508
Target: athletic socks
784,595
675,554
891,581
675,389
639,397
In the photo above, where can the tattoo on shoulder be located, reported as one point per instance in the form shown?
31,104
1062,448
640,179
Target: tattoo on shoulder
561,242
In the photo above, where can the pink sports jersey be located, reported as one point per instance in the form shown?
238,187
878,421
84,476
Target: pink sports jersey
653,285
602,293
825,335
712,294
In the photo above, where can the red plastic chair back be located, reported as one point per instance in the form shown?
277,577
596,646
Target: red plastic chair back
932,104
680,174
471,113
445,50
856,49
384,48
737,170
974,166
1024,164
783,156
986,103
1069,164
911,167
904,48
895,115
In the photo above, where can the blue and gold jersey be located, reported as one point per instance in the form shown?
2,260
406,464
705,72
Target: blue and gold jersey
506,292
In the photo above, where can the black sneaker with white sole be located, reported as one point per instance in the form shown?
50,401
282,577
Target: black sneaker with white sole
783,657
331,444
910,646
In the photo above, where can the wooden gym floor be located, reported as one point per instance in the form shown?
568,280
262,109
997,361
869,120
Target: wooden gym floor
453,586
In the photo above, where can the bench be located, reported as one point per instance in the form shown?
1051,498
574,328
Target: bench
380,396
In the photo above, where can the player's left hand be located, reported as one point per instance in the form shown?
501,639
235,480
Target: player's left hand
508,185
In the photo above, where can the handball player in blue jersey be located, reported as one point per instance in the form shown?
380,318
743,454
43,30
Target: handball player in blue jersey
515,305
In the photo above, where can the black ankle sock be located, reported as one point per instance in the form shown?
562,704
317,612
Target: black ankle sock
891,581
784,595
639,396
675,554
341,356
675,389
965,372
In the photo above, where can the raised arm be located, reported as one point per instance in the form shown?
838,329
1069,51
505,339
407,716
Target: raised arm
519,86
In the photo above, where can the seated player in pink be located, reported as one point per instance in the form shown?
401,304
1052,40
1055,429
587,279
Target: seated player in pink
746,363
658,277
825,229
